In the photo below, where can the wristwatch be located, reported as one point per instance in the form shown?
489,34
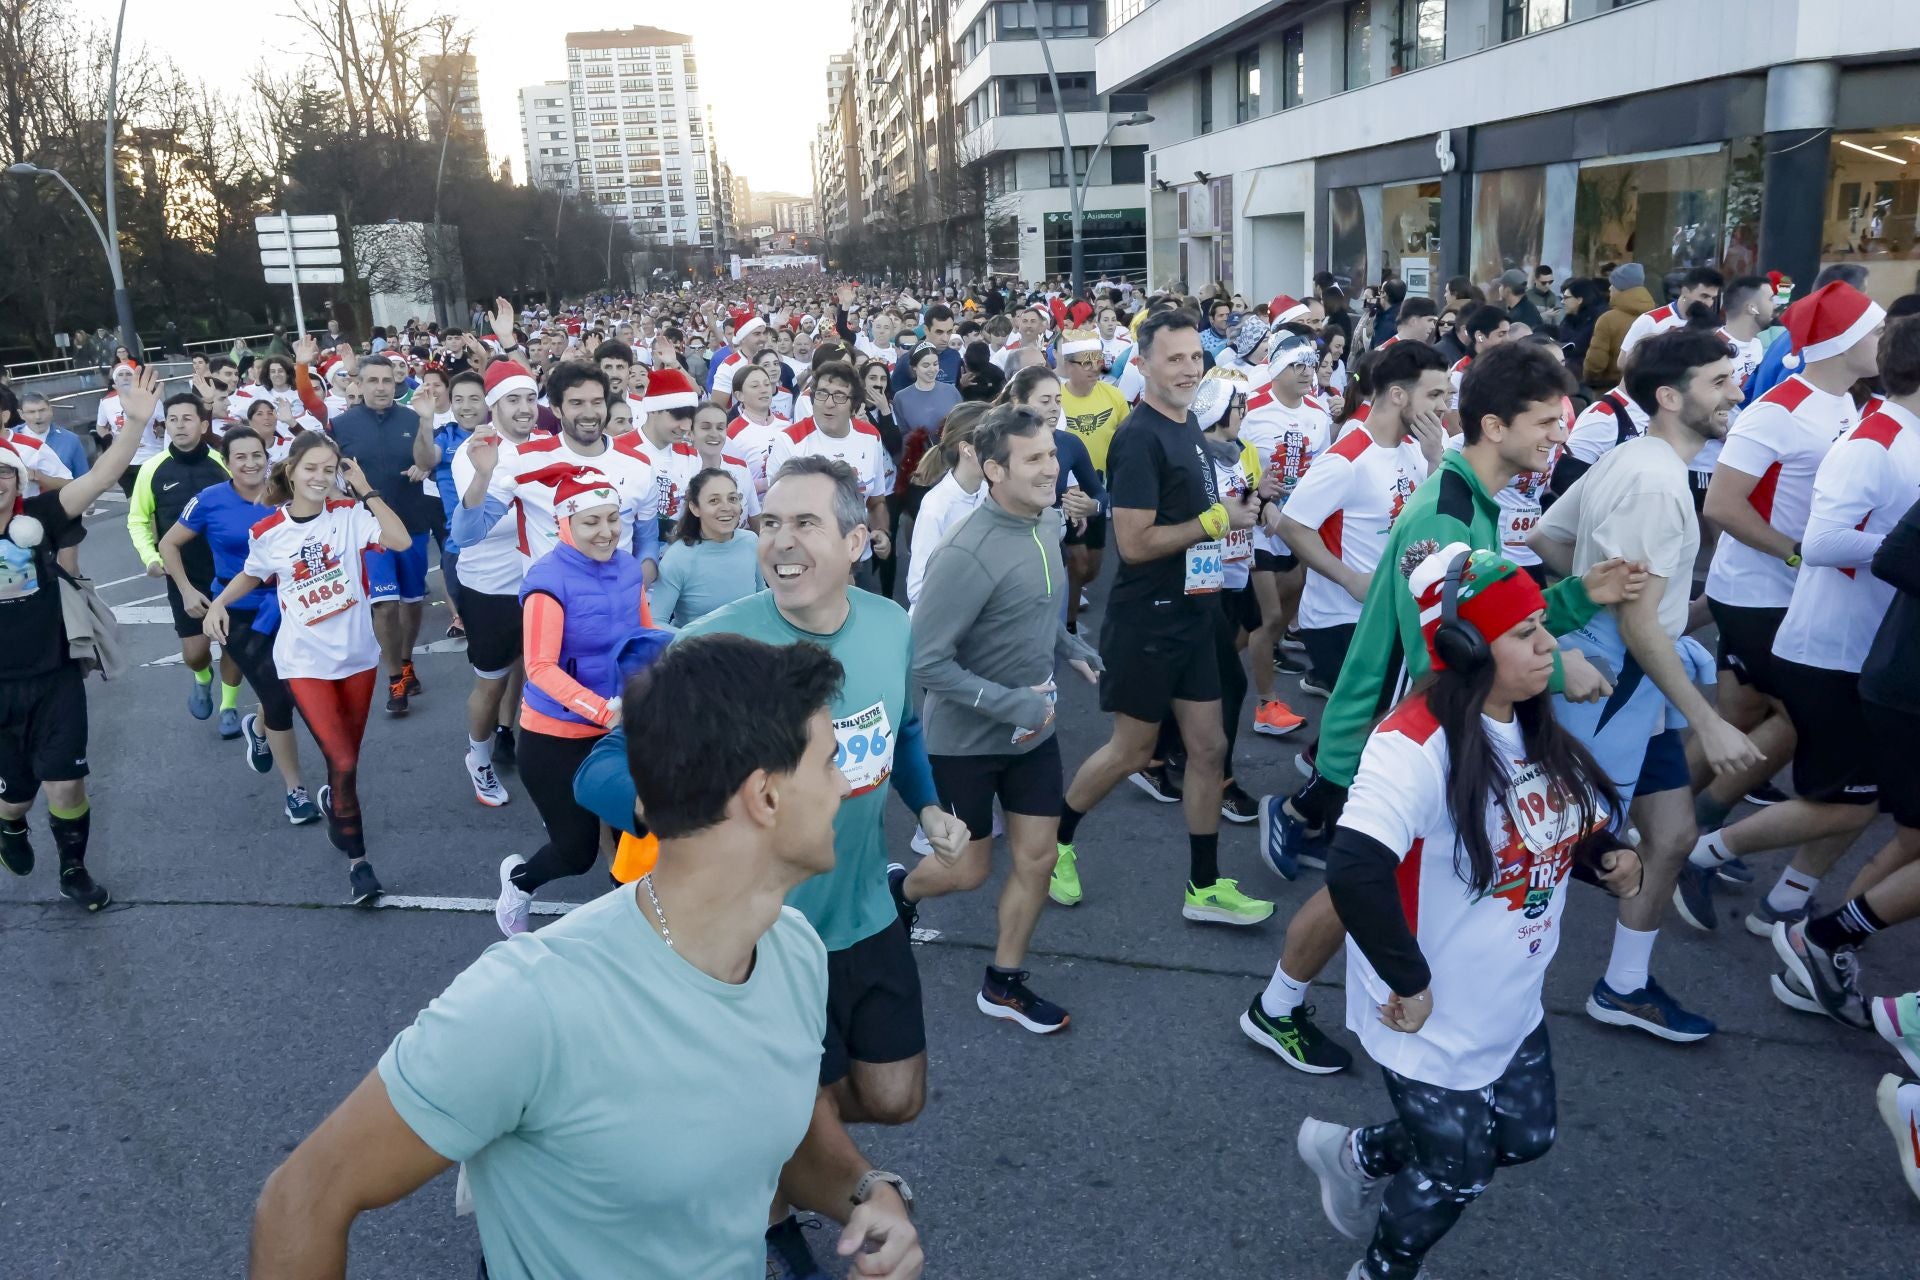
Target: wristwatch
864,1192
1793,561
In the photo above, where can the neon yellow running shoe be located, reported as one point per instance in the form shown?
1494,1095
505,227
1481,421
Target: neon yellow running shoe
1065,888
1222,903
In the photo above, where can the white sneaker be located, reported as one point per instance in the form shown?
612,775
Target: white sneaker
1350,1199
486,784
514,905
920,844
1900,1108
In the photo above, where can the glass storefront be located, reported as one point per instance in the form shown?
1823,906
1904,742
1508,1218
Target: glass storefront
1410,235
1667,213
1115,240
1872,212
1347,255
1509,222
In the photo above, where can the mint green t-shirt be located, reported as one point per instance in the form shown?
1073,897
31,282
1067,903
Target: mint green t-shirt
875,646
620,1112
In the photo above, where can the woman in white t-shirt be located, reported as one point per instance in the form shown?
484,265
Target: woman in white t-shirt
310,549
1470,809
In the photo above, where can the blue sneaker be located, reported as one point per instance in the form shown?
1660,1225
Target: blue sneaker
299,809
229,724
1650,1009
1763,917
1693,897
259,754
200,700
1734,871
788,1256
1280,834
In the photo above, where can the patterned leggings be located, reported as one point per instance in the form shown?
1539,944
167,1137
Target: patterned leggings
1443,1147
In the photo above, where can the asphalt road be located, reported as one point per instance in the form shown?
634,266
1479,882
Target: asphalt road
164,1055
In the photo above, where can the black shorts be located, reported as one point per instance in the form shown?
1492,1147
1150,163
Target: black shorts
493,629
1697,483
1327,650
1274,561
873,1004
185,625
1242,607
43,732
1833,759
1746,642
1026,782
1150,667
1094,538
1894,733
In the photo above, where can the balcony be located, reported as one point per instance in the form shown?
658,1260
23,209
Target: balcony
1141,47
1023,58
1039,132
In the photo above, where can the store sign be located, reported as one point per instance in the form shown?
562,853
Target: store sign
1095,217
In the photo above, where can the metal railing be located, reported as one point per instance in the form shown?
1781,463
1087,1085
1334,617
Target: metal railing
20,372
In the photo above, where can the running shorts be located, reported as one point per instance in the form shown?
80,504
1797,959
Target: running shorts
398,575
1274,561
873,1004
1894,734
1833,755
1621,730
493,629
1025,782
1242,607
1746,642
1327,650
1150,669
43,732
1094,538
185,625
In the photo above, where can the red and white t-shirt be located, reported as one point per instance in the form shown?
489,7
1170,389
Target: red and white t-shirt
153,440
1781,438
859,448
1648,323
1288,439
1865,484
670,465
1457,375
317,568
492,566
753,441
1599,428
742,474
1488,954
1352,496
37,455
529,501
723,375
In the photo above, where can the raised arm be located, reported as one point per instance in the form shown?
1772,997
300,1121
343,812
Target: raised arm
139,399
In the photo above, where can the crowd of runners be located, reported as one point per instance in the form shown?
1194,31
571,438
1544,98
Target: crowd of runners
669,529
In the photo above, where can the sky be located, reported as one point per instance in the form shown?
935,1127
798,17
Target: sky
763,63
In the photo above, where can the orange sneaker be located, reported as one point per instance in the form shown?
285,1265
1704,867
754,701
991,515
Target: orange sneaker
1276,718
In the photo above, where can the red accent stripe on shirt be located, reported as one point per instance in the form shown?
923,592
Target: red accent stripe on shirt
1407,875
1761,499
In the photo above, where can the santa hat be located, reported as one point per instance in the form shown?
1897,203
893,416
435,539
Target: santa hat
1284,310
23,530
328,366
669,389
583,490
1214,394
504,377
1494,595
745,322
1829,322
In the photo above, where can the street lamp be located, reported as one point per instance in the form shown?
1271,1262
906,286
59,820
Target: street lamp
122,301
1077,185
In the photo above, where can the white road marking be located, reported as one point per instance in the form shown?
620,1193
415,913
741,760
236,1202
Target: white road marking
132,577
130,615
478,906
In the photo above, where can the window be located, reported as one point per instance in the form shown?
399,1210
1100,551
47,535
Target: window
1524,17
1246,85
1022,19
1293,67
1204,92
1420,39
1359,56
1127,164
1033,95
1056,166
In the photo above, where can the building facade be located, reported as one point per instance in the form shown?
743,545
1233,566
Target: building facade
1463,137
1009,123
912,193
546,135
642,152
835,152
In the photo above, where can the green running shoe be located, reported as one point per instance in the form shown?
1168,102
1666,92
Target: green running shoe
1222,903
1065,887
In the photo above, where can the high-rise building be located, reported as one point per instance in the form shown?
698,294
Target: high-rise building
1010,136
903,82
836,151
641,146
452,82
546,133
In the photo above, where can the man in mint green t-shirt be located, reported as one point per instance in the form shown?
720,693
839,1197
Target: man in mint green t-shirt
631,1086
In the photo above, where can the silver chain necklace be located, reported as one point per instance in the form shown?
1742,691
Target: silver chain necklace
646,882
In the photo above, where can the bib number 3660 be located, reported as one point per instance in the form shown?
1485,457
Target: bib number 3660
1204,568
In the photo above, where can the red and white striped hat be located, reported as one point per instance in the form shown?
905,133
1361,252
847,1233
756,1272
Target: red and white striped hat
504,377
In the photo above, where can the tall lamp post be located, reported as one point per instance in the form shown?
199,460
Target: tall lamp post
122,301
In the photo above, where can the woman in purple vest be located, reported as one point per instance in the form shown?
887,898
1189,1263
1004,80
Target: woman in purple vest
579,603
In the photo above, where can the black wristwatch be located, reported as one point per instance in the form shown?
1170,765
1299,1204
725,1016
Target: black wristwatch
369,496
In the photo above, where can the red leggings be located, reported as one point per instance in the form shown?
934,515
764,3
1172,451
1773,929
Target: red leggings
336,713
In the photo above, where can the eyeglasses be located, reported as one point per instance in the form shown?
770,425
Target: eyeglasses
1085,362
832,397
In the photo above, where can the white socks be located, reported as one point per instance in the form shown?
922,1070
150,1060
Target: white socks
1709,851
1283,995
1632,957
1791,891
480,750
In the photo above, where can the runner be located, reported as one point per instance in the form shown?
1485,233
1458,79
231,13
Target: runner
986,658
697,972
712,560
832,431
224,515
162,488
1094,408
666,419
1480,331
1160,639
582,601
43,694
1450,952
1512,421
950,473
707,449
325,649
750,335
1636,504
754,425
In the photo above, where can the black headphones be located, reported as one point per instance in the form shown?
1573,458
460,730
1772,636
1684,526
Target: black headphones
1459,643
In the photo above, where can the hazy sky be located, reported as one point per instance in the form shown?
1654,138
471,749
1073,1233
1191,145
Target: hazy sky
762,62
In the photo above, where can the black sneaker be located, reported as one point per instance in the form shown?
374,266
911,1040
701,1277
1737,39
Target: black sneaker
1765,794
16,851
1157,781
413,681
77,886
1312,683
364,885
396,695
1286,664
1236,805
1009,998
1295,1040
909,912
504,756
788,1257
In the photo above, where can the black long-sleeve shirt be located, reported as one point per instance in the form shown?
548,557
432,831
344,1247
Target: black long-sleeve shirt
1890,676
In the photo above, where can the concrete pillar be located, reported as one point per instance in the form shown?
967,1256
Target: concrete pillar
1456,209
1801,101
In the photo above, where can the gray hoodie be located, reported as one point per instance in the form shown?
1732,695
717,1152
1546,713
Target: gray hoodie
988,629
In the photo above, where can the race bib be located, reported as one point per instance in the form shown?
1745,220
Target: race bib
319,586
864,748
1237,547
1519,525
1541,818
1204,568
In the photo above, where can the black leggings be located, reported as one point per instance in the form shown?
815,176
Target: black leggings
1443,1147
252,652
547,764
